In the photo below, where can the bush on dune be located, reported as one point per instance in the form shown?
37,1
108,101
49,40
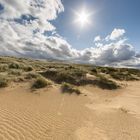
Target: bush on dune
32,75
3,82
15,72
125,76
69,76
27,68
3,67
78,77
41,83
105,83
14,65
68,88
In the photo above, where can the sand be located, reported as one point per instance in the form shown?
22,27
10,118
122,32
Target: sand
47,114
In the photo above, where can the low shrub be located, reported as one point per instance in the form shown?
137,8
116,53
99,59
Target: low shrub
41,83
14,65
28,68
105,83
3,82
3,67
68,88
15,72
68,76
32,75
19,79
123,76
94,70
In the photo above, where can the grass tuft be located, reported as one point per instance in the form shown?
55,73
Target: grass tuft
28,68
125,76
68,88
14,65
3,83
32,75
3,67
15,72
41,83
71,76
105,83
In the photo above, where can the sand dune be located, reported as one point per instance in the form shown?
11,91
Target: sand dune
115,114
47,114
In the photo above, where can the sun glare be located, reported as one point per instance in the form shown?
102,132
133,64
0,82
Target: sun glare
83,18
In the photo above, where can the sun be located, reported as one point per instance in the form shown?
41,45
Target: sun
82,18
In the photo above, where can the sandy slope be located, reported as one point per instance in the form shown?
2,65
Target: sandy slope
49,115
115,116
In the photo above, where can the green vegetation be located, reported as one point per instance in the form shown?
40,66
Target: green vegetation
75,75
68,88
3,82
28,68
21,69
72,76
123,74
78,77
14,65
15,72
32,75
3,67
41,83
105,83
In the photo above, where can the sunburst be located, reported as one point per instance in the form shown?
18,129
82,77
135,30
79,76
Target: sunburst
83,18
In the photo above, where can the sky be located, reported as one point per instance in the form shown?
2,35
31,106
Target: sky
98,32
108,14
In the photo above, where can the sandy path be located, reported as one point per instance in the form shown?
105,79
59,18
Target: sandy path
48,114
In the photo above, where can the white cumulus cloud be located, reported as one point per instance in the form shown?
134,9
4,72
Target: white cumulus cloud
97,38
116,34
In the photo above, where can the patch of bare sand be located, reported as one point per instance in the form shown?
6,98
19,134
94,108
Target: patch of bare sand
115,115
47,114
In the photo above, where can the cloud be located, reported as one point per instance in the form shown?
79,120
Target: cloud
113,53
42,11
17,40
116,33
107,54
97,38
24,23
98,44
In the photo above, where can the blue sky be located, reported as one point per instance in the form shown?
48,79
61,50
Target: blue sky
108,14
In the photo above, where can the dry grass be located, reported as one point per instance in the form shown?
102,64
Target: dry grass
41,83
105,83
68,88
58,72
3,83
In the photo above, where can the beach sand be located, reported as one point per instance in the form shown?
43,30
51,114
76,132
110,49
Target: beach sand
47,114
